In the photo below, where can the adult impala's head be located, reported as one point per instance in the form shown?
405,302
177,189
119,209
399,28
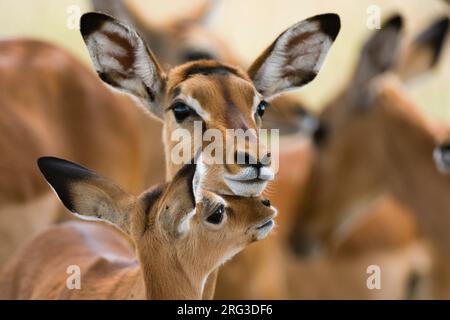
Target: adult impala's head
218,96
364,135
190,38
175,225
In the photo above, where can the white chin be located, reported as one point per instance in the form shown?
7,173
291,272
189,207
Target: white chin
246,189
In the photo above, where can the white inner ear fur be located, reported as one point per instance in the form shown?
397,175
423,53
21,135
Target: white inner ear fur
197,181
183,227
269,78
104,53
146,69
256,100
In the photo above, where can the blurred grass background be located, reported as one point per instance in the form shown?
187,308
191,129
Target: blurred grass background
249,26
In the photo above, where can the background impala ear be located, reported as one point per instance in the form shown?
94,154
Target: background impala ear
380,52
86,194
425,51
122,59
296,56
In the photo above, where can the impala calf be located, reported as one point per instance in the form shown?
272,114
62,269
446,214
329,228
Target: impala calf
221,96
180,232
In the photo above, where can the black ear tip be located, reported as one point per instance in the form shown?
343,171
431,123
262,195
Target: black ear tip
45,164
440,27
52,166
92,21
395,21
330,23
434,37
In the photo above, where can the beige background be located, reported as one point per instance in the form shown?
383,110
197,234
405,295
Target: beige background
250,25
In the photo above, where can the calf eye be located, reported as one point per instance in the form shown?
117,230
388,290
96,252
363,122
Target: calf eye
266,202
262,106
217,216
181,111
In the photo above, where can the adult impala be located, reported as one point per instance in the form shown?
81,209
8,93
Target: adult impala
221,96
180,232
375,142
388,236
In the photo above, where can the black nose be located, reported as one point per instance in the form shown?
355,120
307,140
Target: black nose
302,246
320,134
244,158
266,202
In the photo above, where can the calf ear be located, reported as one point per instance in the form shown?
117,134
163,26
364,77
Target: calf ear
380,52
86,194
123,61
425,51
178,206
296,56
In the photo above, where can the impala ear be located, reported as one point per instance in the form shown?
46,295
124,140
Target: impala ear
296,56
206,14
425,51
179,205
123,61
117,9
86,194
380,52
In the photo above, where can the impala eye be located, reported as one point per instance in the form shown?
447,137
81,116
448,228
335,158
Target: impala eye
262,106
181,111
217,216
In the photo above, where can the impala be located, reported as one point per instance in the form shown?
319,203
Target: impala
58,106
180,234
388,237
221,96
52,103
374,142
185,39
54,116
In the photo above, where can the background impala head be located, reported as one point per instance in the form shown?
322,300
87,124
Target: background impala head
358,144
185,39
180,231
218,95
190,38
